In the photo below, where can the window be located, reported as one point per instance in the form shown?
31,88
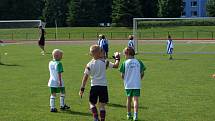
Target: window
194,13
194,3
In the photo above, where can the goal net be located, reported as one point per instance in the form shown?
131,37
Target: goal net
20,29
190,35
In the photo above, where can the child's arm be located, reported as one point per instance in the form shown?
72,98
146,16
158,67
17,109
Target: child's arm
84,81
122,75
59,79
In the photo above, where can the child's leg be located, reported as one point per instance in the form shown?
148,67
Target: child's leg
63,106
52,100
94,111
102,111
135,100
128,104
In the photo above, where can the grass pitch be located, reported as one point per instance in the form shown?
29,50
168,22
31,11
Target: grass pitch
177,90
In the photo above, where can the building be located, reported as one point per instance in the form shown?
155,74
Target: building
194,8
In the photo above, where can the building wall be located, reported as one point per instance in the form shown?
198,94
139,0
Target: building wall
194,8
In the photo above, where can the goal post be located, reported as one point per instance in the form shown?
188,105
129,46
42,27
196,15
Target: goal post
20,29
143,28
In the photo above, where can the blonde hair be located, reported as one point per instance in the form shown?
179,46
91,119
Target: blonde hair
129,51
95,49
56,52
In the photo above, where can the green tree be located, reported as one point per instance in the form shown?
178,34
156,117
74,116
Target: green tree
210,8
22,9
149,8
55,12
124,11
169,8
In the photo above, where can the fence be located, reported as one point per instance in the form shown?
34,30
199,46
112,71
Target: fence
149,35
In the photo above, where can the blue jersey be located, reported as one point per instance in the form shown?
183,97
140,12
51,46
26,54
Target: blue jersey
169,46
103,43
131,43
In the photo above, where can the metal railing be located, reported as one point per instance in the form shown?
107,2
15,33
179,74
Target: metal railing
150,35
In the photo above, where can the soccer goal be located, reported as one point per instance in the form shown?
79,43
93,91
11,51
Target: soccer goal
20,29
186,33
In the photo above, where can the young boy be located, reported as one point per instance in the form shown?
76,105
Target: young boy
96,69
104,45
131,42
56,83
41,41
170,47
132,71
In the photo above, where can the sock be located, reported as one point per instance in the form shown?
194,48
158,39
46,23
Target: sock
135,115
95,112
102,115
129,113
52,101
62,100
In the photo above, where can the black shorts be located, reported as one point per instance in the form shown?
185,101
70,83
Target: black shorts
98,92
41,41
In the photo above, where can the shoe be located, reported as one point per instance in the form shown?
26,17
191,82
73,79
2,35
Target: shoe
135,119
129,117
65,107
96,119
53,110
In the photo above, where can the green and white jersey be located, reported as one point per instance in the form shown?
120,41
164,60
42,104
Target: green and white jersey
132,69
55,67
96,69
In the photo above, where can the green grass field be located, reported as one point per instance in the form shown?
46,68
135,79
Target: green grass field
177,90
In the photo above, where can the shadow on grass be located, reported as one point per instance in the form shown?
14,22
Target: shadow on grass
123,106
4,64
77,113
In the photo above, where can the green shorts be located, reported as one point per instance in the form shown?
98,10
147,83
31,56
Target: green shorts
132,92
57,90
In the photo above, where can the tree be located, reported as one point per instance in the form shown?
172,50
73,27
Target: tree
210,6
55,12
169,8
124,11
22,9
149,8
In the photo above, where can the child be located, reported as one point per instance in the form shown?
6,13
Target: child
56,83
170,47
41,41
131,42
132,71
96,69
104,45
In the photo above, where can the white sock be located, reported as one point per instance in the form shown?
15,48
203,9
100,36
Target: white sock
135,115
52,101
62,100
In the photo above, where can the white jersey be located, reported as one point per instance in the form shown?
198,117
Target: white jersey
97,71
132,69
55,67
170,46
131,43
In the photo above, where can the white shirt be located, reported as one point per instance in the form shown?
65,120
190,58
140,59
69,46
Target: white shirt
97,71
132,68
55,67
131,43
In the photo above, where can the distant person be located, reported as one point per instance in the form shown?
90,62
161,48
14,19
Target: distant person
132,71
170,47
131,42
99,39
56,82
104,45
41,41
96,70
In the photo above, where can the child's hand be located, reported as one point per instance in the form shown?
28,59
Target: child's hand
60,84
81,92
213,75
116,56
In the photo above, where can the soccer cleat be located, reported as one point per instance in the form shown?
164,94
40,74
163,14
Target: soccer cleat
65,107
135,119
53,110
129,117
96,119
